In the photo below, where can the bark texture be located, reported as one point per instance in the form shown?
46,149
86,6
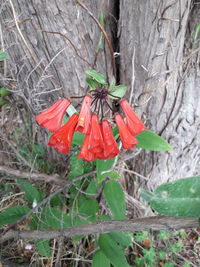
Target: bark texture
164,73
51,44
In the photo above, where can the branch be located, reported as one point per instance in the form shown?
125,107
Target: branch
149,223
34,176
48,198
104,33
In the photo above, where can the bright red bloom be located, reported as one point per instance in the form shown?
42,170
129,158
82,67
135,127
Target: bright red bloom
85,116
51,118
96,144
85,153
128,140
133,122
110,146
62,139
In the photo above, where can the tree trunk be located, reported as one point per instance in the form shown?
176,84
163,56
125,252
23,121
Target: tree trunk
52,43
164,74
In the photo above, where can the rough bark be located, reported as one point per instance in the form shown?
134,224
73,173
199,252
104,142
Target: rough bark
166,82
51,44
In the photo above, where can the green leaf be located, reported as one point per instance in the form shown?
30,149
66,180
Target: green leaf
38,150
146,195
31,193
92,188
96,76
112,251
151,141
4,92
103,167
53,218
88,208
118,91
57,200
180,198
77,167
4,55
78,138
112,175
114,196
12,214
3,102
112,85
91,83
43,247
124,239
99,259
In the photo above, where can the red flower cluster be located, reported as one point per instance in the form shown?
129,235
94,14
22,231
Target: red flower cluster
99,141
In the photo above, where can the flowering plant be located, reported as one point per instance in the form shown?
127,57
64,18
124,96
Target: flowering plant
102,107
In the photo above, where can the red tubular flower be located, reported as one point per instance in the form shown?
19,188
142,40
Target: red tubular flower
95,139
110,146
85,116
85,153
134,123
62,139
128,140
51,118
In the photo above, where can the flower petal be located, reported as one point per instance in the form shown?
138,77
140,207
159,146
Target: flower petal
85,116
62,139
135,125
128,140
52,117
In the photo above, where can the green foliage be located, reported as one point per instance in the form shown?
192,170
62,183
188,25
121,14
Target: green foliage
139,237
163,235
104,168
99,259
123,239
112,250
151,141
77,167
4,92
117,91
114,196
180,198
4,55
96,76
43,248
91,83
12,214
31,193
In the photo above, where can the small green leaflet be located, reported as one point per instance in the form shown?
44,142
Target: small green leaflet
31,192
3,56
113,251
180,198
151,141
100,259
118,91
96,76
91,83
4,92
12,214
115,199
43,247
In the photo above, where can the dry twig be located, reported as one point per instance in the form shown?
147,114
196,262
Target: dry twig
149,223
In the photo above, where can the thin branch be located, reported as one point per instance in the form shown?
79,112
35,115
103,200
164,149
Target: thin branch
34,176
48,198
26,163
104,33
149,223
